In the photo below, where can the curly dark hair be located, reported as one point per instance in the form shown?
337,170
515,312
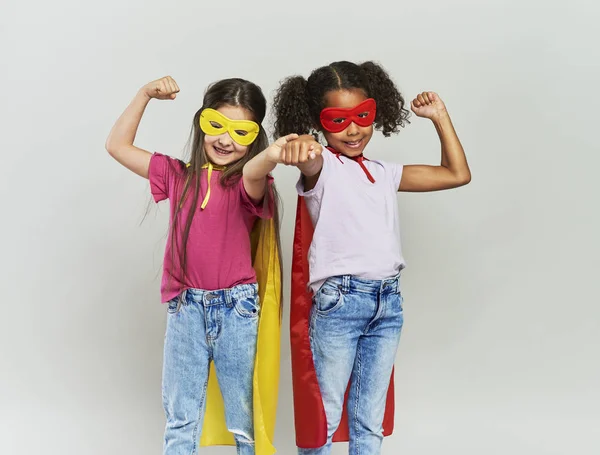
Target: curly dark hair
298,102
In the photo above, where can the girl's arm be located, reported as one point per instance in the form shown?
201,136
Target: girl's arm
453,170
120,140
256,170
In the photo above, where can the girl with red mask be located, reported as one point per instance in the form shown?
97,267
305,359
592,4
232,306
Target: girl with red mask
347,312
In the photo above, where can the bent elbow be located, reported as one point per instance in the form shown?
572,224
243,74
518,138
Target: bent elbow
463,176
465,179
111,148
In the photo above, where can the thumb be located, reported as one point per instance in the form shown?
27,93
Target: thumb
285,139
173,96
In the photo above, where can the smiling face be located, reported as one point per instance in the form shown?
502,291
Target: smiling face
353,140
221,149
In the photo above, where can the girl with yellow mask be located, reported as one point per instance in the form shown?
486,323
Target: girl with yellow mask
222,269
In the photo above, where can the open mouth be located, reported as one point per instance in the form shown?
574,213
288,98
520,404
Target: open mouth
353,144
222,152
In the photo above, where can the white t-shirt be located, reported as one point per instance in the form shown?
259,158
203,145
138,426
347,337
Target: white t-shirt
356,222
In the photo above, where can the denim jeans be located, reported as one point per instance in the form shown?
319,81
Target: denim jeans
221,326
354,334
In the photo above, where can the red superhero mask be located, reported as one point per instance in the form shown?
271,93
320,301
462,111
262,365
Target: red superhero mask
336,120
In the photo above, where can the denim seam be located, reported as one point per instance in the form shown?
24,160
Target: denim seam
202,400
356,404
311,327
210,338
219,323
380,314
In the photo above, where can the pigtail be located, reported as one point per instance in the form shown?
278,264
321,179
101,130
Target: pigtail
291,108
391,113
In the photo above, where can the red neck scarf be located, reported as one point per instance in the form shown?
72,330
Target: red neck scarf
359,159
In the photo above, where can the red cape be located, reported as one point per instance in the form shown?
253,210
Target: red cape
309,414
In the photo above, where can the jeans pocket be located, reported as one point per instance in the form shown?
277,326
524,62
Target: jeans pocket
399,302
328,299
248,307
173,305
397,308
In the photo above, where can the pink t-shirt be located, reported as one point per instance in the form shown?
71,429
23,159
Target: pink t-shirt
218,246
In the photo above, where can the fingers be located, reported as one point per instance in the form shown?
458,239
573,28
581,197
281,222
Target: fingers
315,151
160,88
299,151
173,85
164,88
293,151
289,152
306,150
282,141
424,99
296,148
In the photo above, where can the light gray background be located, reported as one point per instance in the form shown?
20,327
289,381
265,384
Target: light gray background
500,349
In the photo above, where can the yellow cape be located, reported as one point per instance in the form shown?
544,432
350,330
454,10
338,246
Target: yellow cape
266,366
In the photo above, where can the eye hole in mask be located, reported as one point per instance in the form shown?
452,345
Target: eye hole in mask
336,120
213,123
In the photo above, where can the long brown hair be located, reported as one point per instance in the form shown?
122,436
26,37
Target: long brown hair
232,92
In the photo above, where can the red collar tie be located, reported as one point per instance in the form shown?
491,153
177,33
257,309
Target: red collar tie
360,159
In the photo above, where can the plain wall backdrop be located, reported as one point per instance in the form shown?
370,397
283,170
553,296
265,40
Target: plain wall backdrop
499,352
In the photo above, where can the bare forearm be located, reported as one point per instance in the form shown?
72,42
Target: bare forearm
312,167
125,128
255,175
453,170
453,154
259,167
120,140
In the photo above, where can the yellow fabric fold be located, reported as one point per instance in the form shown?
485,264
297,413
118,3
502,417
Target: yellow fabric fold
266,261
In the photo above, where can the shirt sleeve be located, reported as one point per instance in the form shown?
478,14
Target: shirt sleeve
396,172
161,174
262,209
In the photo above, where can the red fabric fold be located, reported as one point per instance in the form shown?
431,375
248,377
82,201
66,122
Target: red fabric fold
309,413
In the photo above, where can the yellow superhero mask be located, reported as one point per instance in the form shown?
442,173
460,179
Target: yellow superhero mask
213,123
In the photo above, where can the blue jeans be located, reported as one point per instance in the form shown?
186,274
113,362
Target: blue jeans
354,334
202,326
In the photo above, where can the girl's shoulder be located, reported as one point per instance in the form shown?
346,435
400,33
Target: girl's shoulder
165,175
165,164
388,171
